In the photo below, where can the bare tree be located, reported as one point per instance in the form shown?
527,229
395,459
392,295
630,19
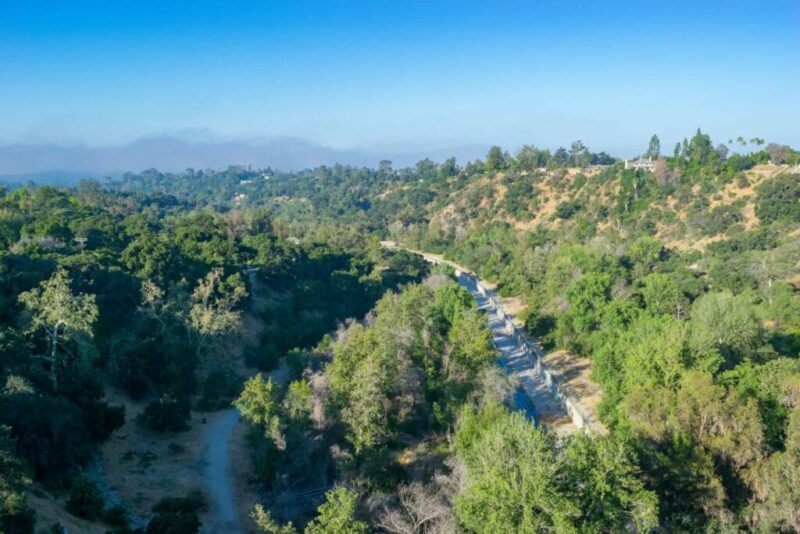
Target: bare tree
422,508
319,398
665,176
778,154
418,509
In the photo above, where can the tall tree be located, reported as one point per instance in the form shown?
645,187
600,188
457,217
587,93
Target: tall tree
654,148
259,404
62,314
471,342
495,159
579,154
724,324
605,481
513,477
213,308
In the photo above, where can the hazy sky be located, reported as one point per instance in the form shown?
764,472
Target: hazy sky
401,75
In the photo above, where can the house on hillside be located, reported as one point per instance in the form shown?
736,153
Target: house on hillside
641,163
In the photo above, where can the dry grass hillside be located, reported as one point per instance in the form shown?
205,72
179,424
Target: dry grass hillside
486,199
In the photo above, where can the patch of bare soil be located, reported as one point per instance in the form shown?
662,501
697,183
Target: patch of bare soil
514,306
143,467
696,244
574,372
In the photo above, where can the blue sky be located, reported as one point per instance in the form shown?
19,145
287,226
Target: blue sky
400,75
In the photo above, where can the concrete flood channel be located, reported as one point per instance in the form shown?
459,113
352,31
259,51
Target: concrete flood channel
534,395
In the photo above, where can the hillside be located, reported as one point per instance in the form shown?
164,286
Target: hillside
665,298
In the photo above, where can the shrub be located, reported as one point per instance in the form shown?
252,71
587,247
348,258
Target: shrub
167,414
177,515
742,181
381,469
537,325
218,390
779,199
85,499
51,435
720,219
116,516
566,210
296,361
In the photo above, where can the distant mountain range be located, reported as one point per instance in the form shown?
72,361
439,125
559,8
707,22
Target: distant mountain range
62,164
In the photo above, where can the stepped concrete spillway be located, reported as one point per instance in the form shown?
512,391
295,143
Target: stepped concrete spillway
533,397
554,389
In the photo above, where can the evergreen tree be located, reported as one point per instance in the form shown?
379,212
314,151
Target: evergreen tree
654,148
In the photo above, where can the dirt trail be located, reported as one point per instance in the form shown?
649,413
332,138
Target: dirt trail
220,444
217,474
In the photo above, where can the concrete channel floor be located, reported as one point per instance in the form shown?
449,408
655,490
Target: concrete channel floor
533,397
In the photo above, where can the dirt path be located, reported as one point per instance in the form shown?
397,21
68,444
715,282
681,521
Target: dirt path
217,474
226,456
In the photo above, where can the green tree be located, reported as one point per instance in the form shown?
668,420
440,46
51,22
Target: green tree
85,499
779,199
495,159
722,421
607,485
700,149
471,342
450,301
661,295
587,296
361,379
297,403
177,515
259,404
513,474
530,159
654,350
265,523
337,514
212,313
579,155
62,315
726,325
654,148
366,412
151,257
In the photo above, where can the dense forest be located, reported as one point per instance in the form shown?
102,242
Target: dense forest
368,379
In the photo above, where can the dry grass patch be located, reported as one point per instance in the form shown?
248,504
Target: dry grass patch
50,511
